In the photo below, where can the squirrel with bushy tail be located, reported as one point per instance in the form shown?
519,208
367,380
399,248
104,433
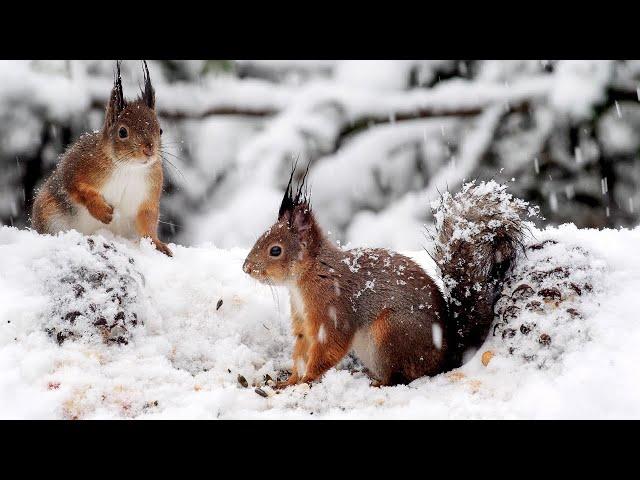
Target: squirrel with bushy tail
381,305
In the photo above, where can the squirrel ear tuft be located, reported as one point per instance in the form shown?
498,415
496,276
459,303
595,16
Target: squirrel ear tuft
291,201
117,103
301,219
147,93
295,208
286,207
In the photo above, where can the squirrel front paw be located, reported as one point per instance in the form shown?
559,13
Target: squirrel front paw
308,380
292,380
101,211
162,248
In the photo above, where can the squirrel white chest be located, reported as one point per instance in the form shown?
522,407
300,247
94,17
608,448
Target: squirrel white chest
125,190
297,300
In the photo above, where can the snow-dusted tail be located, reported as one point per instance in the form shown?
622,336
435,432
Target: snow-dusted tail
478,233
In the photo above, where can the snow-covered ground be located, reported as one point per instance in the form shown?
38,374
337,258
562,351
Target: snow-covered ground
567,346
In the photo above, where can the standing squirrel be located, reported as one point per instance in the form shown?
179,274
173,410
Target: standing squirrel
382,305
110,178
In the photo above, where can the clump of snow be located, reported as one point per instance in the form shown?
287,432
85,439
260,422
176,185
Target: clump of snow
619,133
94,291
580,85
539,316
185,360
379,74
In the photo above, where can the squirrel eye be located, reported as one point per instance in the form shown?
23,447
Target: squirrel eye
160,131
122,133
275,251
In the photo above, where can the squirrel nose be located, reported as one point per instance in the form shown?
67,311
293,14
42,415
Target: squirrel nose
247,267
148,149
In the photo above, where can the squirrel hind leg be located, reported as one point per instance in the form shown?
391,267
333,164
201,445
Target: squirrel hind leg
374,381
386,377
371,346
47,216
404,349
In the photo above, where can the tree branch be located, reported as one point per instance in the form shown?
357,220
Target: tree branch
175,114
367,122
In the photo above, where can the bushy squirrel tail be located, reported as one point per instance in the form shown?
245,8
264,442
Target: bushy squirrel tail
479,231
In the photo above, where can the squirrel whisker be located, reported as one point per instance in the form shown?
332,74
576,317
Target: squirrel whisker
167,152
274,295
125,157
169,223
164,159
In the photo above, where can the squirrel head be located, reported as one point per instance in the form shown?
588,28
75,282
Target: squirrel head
131,129
281,254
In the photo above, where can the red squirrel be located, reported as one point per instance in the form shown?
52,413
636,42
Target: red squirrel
382,305
110,178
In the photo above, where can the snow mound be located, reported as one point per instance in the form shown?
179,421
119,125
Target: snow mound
207,335
541,313
94,291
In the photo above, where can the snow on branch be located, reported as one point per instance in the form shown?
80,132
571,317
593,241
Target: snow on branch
393,224
322,114
257,98
219,96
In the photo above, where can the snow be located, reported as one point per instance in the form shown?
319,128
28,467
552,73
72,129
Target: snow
371,185
182,359
579,86
377,74
395,224
619,132
309,127
325,112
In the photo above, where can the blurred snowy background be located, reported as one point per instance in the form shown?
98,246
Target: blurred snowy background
383,137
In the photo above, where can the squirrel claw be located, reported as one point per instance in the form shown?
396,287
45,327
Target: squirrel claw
307,380
162,248
292,380
282,385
